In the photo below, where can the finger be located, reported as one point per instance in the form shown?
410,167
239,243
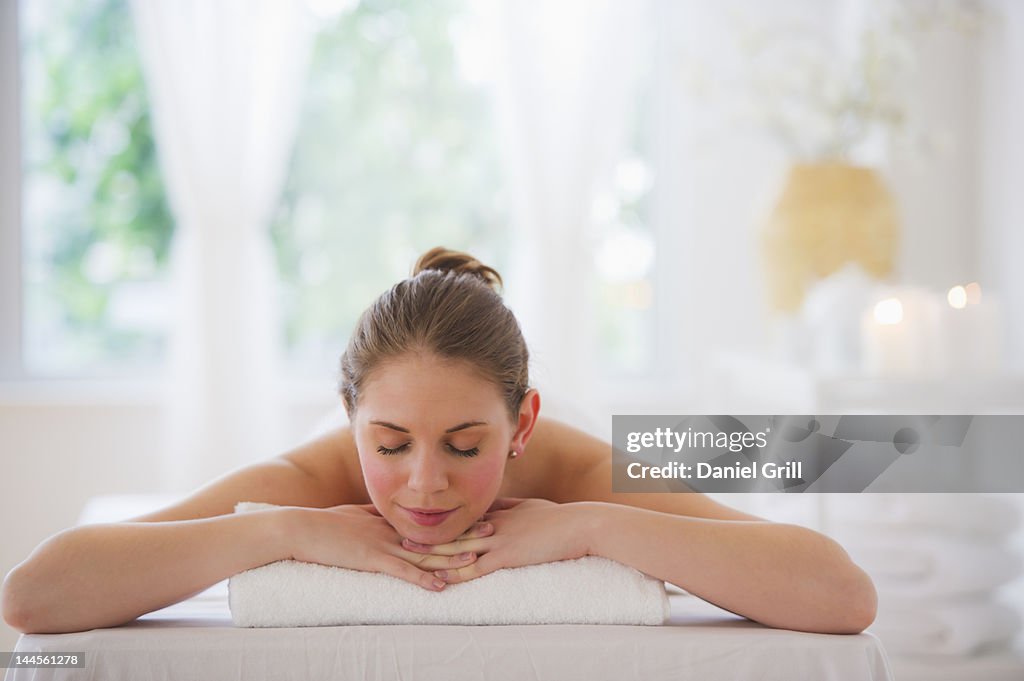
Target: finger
369,508
396,567
456,547
478,529
485,565
503,503
432,562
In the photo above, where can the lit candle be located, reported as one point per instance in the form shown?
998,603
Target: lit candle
973,330
901,336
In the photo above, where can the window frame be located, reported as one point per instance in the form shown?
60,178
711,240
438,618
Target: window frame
17,384
11,286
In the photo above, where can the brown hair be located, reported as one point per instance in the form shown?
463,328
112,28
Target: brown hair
450,307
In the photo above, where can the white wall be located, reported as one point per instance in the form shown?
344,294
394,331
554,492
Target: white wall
1001,163
936,179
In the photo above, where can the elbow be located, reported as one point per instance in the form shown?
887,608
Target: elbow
12,604
23,611
21,606
848,599
859,604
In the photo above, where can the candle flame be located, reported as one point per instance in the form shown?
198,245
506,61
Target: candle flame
957,297
973,291
889,311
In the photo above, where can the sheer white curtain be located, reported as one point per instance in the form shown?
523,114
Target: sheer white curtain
224,80
563,74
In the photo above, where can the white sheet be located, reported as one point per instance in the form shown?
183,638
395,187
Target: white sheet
955,627
196,640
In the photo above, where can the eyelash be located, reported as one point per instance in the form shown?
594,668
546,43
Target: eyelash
467,453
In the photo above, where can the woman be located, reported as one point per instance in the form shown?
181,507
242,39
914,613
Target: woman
445,473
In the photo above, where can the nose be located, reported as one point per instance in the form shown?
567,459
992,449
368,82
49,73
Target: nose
428,472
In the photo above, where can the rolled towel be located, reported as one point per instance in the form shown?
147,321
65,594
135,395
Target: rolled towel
590,590
956,628
920,566
973,514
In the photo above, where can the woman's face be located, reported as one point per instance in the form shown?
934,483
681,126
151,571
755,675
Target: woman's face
433,437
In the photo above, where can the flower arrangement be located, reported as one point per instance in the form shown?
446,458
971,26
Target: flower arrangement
824,99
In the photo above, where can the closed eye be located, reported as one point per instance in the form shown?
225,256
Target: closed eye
465,452
389,451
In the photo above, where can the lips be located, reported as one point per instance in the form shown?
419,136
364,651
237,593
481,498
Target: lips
429,517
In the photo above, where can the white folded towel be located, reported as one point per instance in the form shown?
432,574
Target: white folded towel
955,628
590,590
928,565
977,515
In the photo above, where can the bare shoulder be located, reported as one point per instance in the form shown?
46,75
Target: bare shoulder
333,461
569,465
316,474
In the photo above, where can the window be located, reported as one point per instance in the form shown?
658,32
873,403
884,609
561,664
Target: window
395,154
397,151
96,224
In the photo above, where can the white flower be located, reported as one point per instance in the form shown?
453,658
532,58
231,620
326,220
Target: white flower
821,104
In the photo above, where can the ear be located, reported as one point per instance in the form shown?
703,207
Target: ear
529,410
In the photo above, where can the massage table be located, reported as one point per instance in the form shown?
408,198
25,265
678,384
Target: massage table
196,640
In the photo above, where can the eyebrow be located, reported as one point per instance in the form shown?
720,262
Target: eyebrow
461,426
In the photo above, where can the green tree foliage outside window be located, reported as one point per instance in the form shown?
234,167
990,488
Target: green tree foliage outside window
96,220
395,154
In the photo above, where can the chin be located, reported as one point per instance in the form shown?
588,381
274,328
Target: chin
431,535
439,534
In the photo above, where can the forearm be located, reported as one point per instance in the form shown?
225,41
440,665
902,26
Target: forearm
781,575
105,575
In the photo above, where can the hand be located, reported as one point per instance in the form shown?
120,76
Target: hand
526,532
359,538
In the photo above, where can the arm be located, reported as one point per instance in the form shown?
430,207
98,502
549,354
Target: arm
781,575
105,575
102,576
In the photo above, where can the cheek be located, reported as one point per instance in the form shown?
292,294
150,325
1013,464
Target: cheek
483,481
380,477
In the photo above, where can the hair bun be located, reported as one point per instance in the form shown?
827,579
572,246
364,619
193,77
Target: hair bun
446,260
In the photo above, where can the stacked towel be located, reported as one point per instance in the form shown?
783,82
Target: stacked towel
968,514
950,628
589,590
937,561
929,565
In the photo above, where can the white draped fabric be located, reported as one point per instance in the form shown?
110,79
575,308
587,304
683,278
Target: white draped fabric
224,80
563,73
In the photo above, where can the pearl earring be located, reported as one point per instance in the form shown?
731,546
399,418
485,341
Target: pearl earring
513,454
